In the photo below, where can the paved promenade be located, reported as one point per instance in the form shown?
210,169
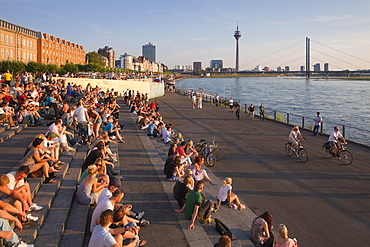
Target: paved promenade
321,201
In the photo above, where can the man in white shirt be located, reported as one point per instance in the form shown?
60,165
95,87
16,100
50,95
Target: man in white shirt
101,236
80,114
334,137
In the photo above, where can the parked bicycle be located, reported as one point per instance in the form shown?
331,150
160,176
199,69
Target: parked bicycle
209,152
343,154
300,151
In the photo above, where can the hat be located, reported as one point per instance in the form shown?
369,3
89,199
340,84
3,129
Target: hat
52,135
115,183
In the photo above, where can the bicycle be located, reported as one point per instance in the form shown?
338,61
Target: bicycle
300,151
217,152
343,154
206,150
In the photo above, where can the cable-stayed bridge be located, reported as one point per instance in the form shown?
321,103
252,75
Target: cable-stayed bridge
314,57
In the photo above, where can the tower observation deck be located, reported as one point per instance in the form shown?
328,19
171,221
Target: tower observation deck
237,36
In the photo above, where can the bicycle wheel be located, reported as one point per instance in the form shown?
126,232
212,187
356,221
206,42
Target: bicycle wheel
303,155
217,152
326,152
210,160
345,157
198,147
288,149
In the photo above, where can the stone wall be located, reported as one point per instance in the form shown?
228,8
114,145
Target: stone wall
154,89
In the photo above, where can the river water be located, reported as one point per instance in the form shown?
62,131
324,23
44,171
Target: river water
341,102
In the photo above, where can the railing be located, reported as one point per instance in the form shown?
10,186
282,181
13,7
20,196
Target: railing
351,133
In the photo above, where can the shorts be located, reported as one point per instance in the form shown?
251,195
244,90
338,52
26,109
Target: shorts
231,106
333,143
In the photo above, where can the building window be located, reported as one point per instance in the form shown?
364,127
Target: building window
19,41
11,39
34,57
19,55
11,53
2,37
24,42
6,38
2,52
7,53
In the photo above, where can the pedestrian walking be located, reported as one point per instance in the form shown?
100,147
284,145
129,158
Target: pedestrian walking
217,99
251,111
262,112
200,101
318,121
231,104
237,110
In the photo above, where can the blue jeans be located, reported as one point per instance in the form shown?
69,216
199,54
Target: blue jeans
83,131
4,226
316,130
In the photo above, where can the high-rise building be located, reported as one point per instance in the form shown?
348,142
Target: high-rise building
287,69
110,54
316,67
216,64
237,36
302,69
326,67
278,69
197,66
149,52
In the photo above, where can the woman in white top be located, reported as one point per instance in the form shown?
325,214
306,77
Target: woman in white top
294,137
226,196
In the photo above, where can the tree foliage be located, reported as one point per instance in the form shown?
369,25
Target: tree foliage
96,58
70,68
35,67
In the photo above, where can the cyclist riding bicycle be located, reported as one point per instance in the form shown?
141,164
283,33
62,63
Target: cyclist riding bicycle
333,140
294,136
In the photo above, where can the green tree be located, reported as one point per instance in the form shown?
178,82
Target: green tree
70,68
52,68
35,67
12,66
94,67
94,57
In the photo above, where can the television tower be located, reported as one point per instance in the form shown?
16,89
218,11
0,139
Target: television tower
237,36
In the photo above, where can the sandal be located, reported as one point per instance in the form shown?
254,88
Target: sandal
49,180
52,175
59,163
142,242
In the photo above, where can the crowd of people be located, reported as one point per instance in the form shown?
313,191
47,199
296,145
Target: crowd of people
94,115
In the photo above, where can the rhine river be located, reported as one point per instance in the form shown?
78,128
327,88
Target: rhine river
341,102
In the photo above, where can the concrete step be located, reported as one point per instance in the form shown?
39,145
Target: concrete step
7,132
44,197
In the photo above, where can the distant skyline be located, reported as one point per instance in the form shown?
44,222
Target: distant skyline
202,30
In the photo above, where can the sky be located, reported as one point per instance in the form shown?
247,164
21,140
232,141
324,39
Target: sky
273,32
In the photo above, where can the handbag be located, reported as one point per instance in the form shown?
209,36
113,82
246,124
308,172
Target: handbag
222,229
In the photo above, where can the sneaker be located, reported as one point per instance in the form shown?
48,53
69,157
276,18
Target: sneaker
68,153
113,137
144,223
23,244
32,218
15,127
139,215
35,207
77,144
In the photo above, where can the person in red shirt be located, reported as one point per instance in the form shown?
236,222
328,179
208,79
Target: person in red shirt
184,157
